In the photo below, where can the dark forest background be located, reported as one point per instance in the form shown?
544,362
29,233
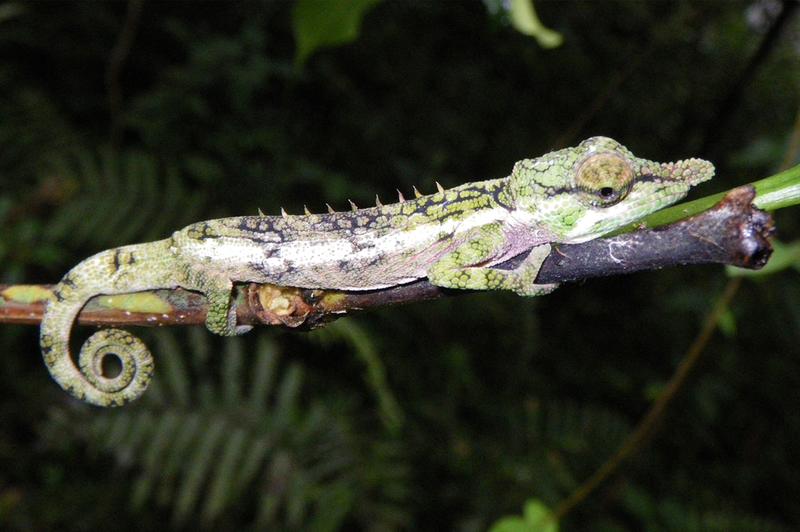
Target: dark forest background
121,122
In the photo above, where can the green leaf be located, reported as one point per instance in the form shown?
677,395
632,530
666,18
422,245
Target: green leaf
525,20
536,517
186,434
509,524
318,23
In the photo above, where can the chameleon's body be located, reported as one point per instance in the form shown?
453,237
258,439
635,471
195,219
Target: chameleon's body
452,237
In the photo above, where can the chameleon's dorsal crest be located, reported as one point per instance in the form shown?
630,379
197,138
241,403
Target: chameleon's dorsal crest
439,187
330,209
260,212
400,196
284,213
378,201
417,193
353,206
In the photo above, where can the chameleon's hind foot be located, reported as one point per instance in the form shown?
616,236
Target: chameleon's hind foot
221,317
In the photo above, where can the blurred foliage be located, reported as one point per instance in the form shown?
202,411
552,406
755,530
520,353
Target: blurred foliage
240,443
448,414
524,19
320,23
535,518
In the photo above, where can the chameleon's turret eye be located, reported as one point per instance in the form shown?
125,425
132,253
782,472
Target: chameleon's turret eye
605,178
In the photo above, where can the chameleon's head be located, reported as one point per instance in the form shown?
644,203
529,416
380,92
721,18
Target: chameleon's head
584,192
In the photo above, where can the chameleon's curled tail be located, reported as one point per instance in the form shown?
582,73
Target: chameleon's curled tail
88,383
115,271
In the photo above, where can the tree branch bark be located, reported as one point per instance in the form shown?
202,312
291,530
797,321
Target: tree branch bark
733,232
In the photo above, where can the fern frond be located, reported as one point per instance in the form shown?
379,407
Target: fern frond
687,515
245,440
33,127
364,348
578,428
737,522
114,198
197,467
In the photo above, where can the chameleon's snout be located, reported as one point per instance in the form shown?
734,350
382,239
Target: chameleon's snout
689,171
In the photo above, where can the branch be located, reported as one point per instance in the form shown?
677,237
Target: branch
733,232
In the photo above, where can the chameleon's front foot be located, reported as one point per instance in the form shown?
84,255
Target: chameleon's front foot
457,270
523,278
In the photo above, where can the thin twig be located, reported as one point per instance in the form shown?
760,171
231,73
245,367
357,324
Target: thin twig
646,427
726,110
116,61
599,102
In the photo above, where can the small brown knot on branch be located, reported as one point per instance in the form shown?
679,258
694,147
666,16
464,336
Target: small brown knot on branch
754,229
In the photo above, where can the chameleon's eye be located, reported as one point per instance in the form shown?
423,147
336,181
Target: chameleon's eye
605,178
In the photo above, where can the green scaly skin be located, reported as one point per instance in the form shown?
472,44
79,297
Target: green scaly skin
452,237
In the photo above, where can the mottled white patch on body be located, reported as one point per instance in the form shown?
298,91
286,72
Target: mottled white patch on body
312,251
344,260
482,217
361,249
226,250
583,228
523,217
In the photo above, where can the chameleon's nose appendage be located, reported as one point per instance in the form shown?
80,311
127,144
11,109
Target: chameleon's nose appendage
689,171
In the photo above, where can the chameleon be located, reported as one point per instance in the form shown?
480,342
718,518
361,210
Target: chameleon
453,238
